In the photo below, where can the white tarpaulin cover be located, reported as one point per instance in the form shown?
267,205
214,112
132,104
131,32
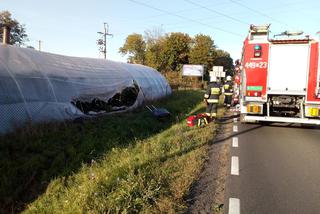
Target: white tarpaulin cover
39,87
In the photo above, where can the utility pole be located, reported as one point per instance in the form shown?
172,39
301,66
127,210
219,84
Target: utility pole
5,34
103,42
39,45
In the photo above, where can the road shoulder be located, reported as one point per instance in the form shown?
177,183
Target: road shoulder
207,193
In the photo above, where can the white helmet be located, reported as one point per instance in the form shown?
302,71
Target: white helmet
229,78
213,79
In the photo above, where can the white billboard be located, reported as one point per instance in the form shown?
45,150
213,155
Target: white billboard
192,70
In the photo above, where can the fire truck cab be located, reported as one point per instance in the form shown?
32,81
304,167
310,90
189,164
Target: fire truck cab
280,77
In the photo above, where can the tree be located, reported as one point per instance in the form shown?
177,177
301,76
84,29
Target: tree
168,52
153,35
222,58
155,56
135,46
18,33
202,51
155,39
176,50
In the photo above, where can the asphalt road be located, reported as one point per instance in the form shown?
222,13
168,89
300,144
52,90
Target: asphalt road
274,169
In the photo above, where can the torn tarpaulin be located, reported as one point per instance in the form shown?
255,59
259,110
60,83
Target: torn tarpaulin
120,101
37,86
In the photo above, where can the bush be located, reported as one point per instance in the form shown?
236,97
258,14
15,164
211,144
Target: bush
177,81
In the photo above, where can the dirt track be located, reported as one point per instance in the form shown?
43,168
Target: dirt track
207,193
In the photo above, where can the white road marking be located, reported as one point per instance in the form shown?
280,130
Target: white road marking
234,206
235,128
235,119
235,142
234,165
235,113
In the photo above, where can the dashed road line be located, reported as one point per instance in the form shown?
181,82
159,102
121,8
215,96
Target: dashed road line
234,165
234,206
235,128
235,142
234,203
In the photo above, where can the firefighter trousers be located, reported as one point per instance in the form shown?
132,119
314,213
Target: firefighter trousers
227,99
212,109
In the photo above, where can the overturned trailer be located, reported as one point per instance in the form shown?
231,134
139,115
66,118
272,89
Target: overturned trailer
40,87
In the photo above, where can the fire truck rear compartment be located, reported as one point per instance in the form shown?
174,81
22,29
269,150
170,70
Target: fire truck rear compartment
288,69
285,105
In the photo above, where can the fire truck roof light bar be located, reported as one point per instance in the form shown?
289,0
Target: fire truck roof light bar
259,28
290,33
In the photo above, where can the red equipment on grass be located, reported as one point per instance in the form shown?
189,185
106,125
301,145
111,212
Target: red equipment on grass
199,120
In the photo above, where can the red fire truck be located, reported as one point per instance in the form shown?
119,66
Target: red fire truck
280,77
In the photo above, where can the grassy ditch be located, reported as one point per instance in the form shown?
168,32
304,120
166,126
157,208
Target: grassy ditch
126,163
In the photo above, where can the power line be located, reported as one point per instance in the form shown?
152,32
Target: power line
185,18
163,14
217,12
258,12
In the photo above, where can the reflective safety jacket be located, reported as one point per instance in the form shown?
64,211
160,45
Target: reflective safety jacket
213,92
228,88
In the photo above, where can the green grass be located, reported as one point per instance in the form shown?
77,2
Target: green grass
125,163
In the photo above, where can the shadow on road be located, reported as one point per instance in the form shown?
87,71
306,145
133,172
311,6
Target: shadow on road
292,125
254,126
219,140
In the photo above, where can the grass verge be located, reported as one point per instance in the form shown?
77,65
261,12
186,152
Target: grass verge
128,163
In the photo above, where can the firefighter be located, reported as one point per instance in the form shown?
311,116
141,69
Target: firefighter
211,97
228,91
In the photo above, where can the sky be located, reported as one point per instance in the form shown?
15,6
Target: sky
69,27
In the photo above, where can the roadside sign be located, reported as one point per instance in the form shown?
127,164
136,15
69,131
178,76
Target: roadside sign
217,68
192,70
217,71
